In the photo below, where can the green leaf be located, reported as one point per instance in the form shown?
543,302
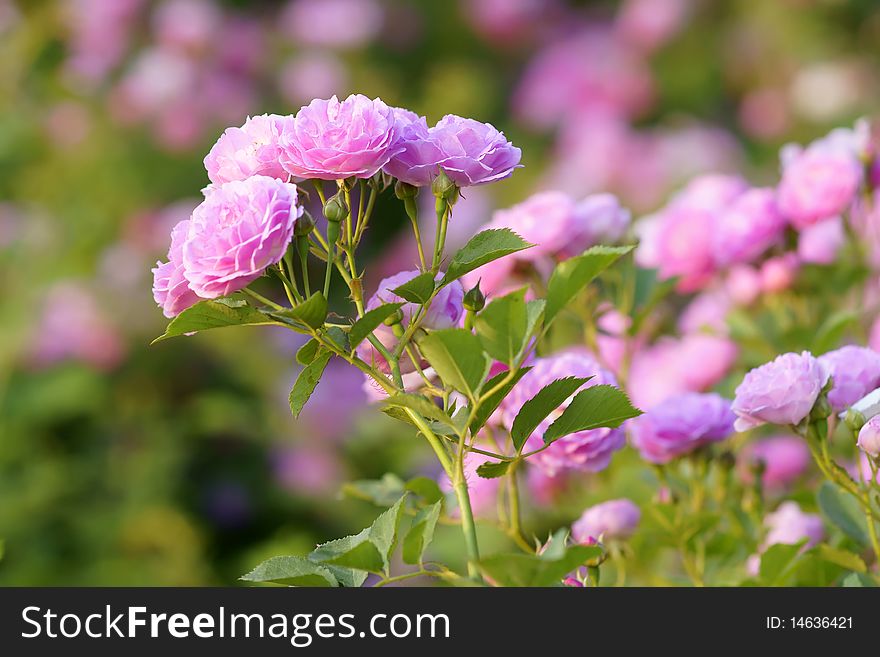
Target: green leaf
338,337
842,558
420,533
502,325
493,470
381,492
483,247
534,314
219,313
778,562
311,313
599,406
307,353
533,412
573,275
426,488
531,570
832,330
854,580
383,531
357,552
488,406
370,322
457,357
417,290
307,381
420,405
843,512
292,571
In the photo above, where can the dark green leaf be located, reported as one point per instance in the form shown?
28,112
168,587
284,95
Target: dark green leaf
312,312
488,406
457,357
307,381
417,290
306,354
338,337
420,533
483,247
843,512
535,410
599,406
420,405
573,275
531,570
502,325
292,571
214,314
493,470
370,322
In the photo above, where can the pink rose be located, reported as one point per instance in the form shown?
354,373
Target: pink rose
171,290
251,150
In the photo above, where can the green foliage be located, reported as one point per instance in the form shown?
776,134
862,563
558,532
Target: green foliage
420,405
307,381
491,402
573,275
421,533
598,406
219,313
292,571
457,357
535,410
307,353
417,290
484,247
843,512
520,569
371,320
502,327
493,470
778,562
310,314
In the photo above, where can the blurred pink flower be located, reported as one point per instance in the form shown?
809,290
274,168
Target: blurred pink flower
785,459
820,243
340,24
312,74
706,313
743,284
778,273
611,520
186,24
308,469
648,24
748,227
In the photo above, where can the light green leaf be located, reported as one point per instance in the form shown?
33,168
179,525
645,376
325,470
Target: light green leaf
357,552
219,313
489,404
306,354
370,322
840,557
482,248
843,512
502,325
535,410
531,570
457,357
778,562
573,275
311,313
831,331
307,381
420,533
383,531
381,492
534,314
858,580
426,488
420,405
599,406
292,571
417,290
493,470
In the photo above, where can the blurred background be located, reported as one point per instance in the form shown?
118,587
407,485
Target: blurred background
179,464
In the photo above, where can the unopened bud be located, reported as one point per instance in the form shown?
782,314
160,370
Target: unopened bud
304,225
474,299
404,190
443,187
822,409
854,419
336,209
394,318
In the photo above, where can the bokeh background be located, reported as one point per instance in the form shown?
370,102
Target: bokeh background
179,464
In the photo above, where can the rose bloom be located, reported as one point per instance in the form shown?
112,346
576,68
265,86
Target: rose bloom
250,150
693,363
817,183
820,243
869,437
680,425
240,229
785,459
331,140
746,229
707,312
545,219
614,519
597,219
171,290
743,283
855,371
470,152
778,273
782,391
445,311
588,451
789,525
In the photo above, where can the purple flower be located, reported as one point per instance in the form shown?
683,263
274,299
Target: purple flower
681,424
545,219
470,152
855,371
598,219
817,183
782,391
785,459
171,290
747,228
869,437
789,525
445,311
820,242
588,451
614,519
331,140
240,229
251,150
